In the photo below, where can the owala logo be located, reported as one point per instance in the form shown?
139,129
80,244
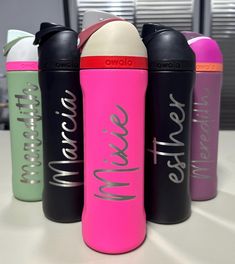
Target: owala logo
118,62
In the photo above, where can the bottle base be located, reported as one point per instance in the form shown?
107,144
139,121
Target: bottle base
27,199
202,199
117,252
156,221
63,221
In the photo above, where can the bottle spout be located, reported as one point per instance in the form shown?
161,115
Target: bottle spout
46,29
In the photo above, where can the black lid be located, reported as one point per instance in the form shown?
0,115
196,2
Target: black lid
167,48
57,47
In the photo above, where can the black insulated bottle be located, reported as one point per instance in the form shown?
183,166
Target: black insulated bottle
168,120
62,122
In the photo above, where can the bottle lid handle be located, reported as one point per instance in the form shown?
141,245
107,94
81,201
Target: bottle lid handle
85,34
46,29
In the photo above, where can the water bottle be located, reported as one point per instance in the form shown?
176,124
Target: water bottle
25,115
206,115
114,80
168,123
62,122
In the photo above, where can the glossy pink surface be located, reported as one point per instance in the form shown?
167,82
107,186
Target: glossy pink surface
113,218
207,50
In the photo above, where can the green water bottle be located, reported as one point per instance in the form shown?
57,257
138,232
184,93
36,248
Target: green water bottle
25,115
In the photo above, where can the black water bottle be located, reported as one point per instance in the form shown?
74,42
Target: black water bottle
168,120
62,122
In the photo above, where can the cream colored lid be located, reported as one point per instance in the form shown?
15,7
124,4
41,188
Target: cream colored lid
117,38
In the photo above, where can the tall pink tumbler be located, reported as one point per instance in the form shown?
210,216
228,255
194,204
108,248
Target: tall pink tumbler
114,79
206,116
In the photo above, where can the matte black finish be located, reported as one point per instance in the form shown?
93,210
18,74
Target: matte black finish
165,201
57,47
168,123
62,123
167,49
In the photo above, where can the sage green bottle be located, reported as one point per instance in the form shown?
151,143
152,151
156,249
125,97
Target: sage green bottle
25,116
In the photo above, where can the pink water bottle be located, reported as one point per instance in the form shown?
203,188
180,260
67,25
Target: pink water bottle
206,115
114,79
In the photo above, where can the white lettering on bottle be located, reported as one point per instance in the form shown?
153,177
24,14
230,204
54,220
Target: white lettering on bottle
69,145
28,105
199,168
175,162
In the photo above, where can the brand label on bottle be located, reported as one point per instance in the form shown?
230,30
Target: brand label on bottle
109,189
110,62
115,61
67,65
63,176
28,105
202,120
176,161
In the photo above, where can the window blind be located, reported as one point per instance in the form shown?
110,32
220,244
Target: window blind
123,8
223,30
177,14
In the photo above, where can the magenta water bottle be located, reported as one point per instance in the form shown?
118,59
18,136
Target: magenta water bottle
206,115
114,79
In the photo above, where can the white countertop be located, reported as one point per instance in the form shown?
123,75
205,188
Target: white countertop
208,236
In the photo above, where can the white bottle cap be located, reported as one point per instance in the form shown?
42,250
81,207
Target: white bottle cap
20,47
